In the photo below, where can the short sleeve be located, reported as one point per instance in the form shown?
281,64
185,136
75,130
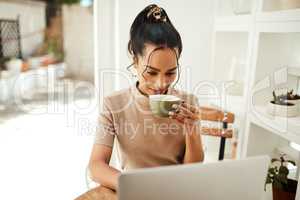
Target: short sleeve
105,131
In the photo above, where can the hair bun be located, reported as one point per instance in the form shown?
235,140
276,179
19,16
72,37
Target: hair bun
156,14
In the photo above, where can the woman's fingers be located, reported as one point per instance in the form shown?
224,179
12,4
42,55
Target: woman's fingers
182,117
177,115
187,111
193,109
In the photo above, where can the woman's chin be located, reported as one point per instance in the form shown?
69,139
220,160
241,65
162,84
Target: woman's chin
151,92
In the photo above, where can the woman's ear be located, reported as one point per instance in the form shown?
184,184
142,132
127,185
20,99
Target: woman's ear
135,62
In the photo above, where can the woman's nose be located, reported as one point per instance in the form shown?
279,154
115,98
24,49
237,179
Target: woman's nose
161,83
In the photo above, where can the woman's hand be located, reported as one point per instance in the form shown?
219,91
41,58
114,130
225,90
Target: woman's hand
189,115
186,114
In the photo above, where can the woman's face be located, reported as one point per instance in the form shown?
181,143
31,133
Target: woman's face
156,70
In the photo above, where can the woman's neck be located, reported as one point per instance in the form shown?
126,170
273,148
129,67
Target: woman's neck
141,90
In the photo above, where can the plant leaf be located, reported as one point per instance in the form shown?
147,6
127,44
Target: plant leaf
292,162
275,160
283,170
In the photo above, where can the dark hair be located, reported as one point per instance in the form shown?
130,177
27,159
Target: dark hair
152,25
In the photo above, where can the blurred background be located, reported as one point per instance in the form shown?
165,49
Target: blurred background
46,97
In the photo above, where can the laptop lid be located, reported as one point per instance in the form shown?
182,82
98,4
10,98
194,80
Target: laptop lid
233,179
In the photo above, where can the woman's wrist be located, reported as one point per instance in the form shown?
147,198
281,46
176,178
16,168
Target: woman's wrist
116,180
193,130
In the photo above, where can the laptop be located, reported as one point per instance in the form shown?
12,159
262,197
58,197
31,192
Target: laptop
229,180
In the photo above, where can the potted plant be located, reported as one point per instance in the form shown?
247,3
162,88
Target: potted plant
290,97
280,107
283,187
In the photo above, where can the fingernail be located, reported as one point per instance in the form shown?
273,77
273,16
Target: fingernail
171,113
174,106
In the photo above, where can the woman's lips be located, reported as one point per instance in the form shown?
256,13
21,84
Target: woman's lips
160,91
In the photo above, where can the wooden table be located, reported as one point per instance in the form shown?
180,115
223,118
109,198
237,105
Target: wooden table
99,193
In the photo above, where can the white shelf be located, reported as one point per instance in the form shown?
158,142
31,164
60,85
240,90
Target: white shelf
279,27
287,128
294,71
283,15
288,21
267,40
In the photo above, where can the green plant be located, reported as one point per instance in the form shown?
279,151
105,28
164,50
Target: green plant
3,60
279,176
280,100
291,96
54,48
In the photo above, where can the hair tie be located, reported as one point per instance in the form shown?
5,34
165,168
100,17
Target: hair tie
156,13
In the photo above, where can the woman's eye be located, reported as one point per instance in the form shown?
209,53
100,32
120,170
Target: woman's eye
152,73
170,73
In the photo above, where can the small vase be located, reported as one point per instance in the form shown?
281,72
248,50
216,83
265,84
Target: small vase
296,102
282,110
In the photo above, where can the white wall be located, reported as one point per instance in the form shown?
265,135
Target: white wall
32,22
105,54
78,42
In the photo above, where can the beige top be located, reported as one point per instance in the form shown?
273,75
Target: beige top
143,140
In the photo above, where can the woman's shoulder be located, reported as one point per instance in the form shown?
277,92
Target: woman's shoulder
118,95
118,100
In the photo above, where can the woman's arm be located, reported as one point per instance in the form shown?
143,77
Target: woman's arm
99,167
188,115
193,149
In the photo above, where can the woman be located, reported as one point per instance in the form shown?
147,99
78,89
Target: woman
144,140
